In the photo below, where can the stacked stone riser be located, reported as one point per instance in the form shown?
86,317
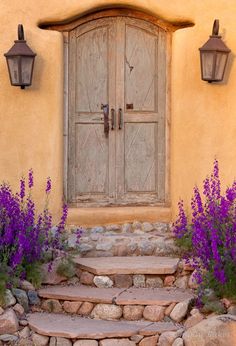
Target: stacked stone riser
182,278
136,239
153,313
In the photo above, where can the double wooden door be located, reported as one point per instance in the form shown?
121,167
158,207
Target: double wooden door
120,63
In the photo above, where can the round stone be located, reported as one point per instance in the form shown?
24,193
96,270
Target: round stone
107,312
147,227
9,299
139,280
133,312
154,313
154,282
85,309
40,340
103,281
86,278
180,311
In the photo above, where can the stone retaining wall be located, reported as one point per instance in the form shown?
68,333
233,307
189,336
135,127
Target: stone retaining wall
136,239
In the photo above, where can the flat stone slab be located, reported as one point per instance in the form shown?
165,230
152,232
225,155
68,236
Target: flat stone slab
81,293
153,296
128,265
66,326
158,327
119,296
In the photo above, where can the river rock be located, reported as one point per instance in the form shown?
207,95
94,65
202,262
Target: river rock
102,281
180,311
133,312
107,312
51,276
9,299
139,280
154,313
40,340
217,330
8,322
33,297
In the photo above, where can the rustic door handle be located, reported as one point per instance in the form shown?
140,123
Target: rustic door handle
120,118
105,109
113,119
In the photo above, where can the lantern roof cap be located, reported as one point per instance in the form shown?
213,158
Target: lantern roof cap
20,48
215,44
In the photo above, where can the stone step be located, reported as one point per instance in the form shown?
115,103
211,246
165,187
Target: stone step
128,265
60,325
118,296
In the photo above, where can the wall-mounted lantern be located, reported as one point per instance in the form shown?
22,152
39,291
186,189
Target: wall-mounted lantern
20,61
214,55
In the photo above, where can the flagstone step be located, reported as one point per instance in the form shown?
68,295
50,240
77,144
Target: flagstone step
128,265
60,325
118,296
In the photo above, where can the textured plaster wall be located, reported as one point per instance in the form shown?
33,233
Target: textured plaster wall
203,116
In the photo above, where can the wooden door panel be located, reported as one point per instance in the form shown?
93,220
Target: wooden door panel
92,70
91,166
141,145
140,69
140,157
91,160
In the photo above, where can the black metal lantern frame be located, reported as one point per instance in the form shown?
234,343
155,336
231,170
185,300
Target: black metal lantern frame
214,56
20,61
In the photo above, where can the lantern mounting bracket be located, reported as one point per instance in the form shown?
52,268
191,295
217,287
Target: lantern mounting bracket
21,35
215,29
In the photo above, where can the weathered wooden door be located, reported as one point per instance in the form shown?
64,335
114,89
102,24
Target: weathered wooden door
119,62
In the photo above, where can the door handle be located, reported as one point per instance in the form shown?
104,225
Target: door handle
105,109
120,118
113,119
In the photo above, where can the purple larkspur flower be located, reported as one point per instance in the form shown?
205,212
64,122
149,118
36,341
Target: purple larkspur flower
30,179
22,188
213,229
24,236
48,185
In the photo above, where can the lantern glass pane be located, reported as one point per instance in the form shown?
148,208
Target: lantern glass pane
26,68
13,65
207,59
221,59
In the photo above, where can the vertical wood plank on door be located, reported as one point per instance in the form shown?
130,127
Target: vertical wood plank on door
92,70
162,102
140,157
140,69
91,159
120,75
71,120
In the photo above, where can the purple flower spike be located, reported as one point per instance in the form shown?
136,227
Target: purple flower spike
211,232
22,188
30,179
48,186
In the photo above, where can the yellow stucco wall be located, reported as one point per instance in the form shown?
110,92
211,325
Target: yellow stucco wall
203,116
